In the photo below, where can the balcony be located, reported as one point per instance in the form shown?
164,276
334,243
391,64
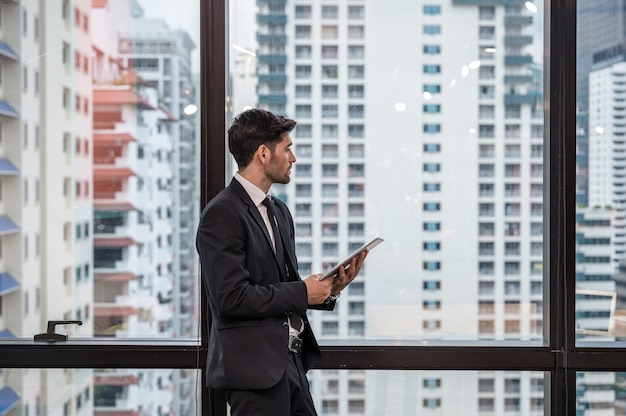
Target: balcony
271,2
518,20
272,78
271,38
518,40
518,79
518,59
271,19
275,98
531,97
272,58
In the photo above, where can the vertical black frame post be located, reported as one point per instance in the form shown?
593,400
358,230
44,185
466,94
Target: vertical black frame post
213,69
560,110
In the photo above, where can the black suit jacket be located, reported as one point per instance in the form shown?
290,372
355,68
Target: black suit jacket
248,301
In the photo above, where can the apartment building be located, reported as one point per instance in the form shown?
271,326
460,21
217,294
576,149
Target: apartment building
443,125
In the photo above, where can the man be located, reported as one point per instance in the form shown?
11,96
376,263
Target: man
260,343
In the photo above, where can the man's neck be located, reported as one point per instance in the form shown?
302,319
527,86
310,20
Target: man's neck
258,179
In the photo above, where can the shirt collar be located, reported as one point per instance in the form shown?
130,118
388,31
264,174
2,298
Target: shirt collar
256,194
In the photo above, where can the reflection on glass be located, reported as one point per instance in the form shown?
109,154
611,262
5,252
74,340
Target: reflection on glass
599,393
98,168
600,186
140,392
358,392
432,142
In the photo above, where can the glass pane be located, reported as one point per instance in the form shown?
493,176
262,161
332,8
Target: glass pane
99,144
448,168
599,394
359,392
600,203
120,392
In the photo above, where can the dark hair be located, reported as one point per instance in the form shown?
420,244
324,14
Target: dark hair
255,127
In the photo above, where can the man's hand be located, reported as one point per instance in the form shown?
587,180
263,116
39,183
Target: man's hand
347,275
317,290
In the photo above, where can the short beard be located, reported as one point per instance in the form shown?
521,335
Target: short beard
275,175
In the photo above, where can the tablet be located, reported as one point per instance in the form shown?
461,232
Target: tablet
346,262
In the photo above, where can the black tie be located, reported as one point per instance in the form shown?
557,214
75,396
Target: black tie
278,241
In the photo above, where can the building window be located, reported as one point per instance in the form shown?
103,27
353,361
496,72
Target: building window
431,285
431,29
356,12
303,32
432,88
329,12
431,69
431,187
356,91
303,12
432,128
303,91
356,32
431,206
303,52
330,91
432,108
431,226
431,49
431,9
356,52
330,71
431,167
431,265
431,246
330,32
329,52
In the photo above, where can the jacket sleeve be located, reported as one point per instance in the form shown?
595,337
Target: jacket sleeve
239,269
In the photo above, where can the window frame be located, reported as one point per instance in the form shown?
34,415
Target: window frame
560,356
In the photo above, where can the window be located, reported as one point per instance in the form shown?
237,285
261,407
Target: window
329,52
303,52
329,12
431,69
356,51
431,49
330,91
356,12
329,71
432,108
431,29
356,91
506,26
303,32
431,128
303,11
431,147
330,32
432,88
356,32
431,187
303,91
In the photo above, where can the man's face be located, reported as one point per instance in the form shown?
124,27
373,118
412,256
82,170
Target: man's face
279,167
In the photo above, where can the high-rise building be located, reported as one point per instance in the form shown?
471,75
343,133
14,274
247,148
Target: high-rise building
410,132
98,172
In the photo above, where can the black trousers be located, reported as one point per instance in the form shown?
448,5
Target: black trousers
289,397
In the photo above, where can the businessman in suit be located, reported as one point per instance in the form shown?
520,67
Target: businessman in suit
260,342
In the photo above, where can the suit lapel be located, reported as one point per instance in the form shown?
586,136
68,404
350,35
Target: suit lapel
252,209
256,215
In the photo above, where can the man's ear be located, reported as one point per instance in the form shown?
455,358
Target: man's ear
264,153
